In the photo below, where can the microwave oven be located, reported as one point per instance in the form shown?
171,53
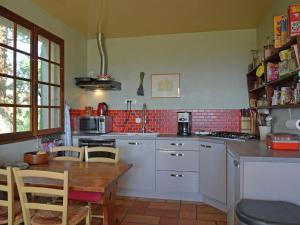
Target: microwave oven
94,124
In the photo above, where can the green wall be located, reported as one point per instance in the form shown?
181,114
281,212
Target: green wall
75,64
212,67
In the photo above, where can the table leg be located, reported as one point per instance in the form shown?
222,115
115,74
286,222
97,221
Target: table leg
108,205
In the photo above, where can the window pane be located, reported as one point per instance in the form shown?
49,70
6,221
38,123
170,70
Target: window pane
23,39
43,115
55,74
23,119
43,70
6,61
6,120
23,92
55,96
6,31
55,118
43,47
23,65
43,96
6,90
55,52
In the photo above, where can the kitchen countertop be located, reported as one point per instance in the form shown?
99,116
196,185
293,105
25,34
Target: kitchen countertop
250,150
258,151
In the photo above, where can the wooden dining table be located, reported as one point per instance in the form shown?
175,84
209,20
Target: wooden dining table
87,176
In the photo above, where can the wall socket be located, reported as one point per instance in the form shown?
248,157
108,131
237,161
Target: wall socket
133,101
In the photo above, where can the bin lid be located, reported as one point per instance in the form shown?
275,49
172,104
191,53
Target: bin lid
263,212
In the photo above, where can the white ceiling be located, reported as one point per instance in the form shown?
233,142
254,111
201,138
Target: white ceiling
124,18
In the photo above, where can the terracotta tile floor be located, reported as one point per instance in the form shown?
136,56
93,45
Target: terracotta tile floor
142,211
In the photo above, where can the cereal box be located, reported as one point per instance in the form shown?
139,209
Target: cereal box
294,20
277,30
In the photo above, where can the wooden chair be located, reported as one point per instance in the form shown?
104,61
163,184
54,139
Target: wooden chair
10,210
46,213
68,149
95,197
100,150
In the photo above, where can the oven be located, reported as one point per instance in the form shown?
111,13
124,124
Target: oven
89,142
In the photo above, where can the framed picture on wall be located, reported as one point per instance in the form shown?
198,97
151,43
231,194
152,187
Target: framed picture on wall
165,85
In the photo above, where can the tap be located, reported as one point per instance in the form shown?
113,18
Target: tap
144,118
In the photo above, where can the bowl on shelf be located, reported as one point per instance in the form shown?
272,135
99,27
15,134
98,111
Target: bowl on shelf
36,158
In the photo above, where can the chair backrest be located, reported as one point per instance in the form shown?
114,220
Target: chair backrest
72,150
24,190
114,152
9,189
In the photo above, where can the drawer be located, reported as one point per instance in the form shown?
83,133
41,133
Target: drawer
177,181
177,160
177,144
136,144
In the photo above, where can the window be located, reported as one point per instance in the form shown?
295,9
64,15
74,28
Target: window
31,79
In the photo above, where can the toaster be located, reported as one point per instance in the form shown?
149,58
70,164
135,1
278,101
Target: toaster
283,141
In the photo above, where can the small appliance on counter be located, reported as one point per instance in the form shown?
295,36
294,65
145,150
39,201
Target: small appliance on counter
102,109
94,124
283,141
184,123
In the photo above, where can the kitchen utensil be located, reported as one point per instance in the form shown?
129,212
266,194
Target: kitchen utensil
263,131
283,142
102,108
140,90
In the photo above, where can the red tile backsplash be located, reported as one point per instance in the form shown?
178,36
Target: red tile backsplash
165,121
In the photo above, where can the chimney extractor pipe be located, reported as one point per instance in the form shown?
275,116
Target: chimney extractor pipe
102,52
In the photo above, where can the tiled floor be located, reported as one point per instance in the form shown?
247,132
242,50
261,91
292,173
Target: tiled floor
142,211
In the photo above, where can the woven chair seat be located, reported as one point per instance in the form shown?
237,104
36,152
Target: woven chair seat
75,212
4,216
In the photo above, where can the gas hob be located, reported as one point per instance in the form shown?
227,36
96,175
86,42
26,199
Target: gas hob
228,135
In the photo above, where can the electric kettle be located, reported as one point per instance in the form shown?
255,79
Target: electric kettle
102,109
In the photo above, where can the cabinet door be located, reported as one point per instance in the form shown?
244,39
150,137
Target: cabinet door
213,171
141,154
233,187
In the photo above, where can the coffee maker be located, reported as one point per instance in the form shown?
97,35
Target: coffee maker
184,123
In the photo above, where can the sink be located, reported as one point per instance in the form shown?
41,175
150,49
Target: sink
142,134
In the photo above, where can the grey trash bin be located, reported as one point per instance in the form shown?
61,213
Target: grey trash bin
262,212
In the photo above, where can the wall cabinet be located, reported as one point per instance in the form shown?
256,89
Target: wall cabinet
140,153
213,171
177,166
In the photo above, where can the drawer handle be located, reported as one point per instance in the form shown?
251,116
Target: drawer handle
205,146
134,143
177,144
177,154
236,164
176,175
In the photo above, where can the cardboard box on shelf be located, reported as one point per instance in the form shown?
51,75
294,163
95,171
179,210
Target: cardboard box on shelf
294,20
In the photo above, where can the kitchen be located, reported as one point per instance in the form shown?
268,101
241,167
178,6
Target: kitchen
212,67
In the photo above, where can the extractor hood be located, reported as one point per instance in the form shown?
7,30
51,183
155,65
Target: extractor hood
99,84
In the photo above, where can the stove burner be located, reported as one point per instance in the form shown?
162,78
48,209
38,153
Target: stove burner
232,135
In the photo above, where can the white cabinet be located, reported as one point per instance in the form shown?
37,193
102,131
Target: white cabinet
141,154
177,166
213,171
233,187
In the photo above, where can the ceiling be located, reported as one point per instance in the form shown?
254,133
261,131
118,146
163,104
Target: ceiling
126,18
